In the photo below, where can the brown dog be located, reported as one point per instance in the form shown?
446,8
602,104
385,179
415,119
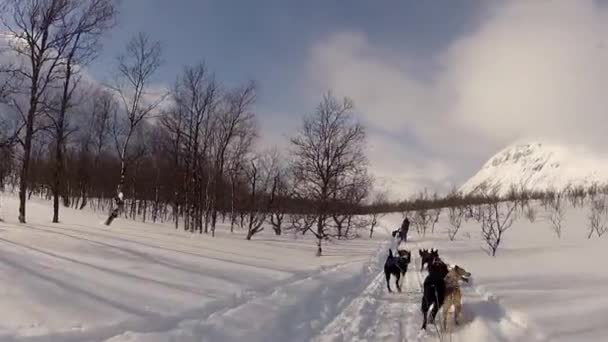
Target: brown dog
453,295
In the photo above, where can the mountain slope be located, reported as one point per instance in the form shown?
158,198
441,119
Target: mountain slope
539,166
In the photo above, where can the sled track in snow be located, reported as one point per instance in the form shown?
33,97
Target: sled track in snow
158,324
294,311
344,302
377,315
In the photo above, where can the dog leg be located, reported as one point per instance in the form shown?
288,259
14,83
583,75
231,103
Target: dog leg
434,312
457,313
397,282
425,311
388,281
446,311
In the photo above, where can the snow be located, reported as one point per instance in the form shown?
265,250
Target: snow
554,287
540,166
82,281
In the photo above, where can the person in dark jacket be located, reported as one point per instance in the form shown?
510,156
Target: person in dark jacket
405,228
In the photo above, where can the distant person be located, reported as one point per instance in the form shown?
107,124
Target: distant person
403,230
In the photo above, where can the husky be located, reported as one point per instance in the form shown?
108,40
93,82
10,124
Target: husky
453,295
396,266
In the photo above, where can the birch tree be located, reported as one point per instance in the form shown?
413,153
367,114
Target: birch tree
135,71
327,152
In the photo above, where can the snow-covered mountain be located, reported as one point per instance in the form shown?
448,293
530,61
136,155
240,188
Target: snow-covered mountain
540,166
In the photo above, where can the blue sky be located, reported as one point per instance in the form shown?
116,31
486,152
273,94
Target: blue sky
422,73
261,38
269,40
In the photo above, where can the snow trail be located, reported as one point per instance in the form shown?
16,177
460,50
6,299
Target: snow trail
295,311
377,315
142,282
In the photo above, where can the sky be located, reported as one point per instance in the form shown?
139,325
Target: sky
440,85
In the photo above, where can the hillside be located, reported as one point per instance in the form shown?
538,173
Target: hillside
539,166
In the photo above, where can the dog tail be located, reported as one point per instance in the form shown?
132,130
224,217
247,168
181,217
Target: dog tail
390,253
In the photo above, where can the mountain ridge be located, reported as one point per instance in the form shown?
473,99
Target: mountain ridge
539,166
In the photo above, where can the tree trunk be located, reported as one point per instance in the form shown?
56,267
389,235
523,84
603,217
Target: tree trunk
27,152
84,201
320,223
232,193
319,248
373,225
58,174
119,199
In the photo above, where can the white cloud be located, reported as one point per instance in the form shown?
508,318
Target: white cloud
534,69
528,70
400,171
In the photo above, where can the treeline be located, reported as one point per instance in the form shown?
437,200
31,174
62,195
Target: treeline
496,211
187,154
482,195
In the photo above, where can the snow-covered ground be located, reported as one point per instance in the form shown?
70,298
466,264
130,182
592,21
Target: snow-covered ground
82,281
554,287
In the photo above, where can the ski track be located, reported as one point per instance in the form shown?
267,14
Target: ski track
345,302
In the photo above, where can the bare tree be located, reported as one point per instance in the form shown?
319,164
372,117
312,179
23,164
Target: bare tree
278,194
594,190
357,192
11,123
135,70
457,212
576,195
455,217
496,218
236,163
556,213
435,214
259,176
234,123
40,30
380,199
327,152
422,220
196,96
598,217
346,201
301,223
94,139
79,48
530,213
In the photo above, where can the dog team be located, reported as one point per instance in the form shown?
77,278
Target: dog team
441,287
